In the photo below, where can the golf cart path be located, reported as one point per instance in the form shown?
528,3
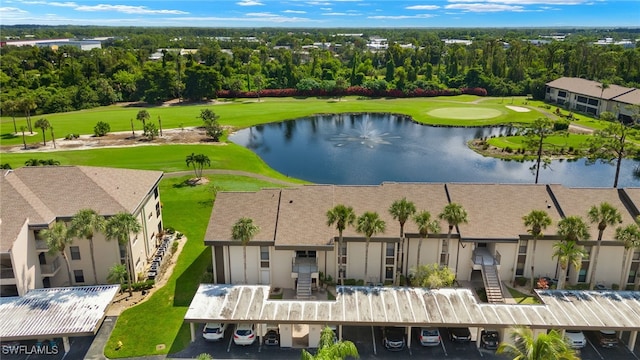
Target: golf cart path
231,172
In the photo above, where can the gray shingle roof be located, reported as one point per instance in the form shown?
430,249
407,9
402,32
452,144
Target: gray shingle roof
43,193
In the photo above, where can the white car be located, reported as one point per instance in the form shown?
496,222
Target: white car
429,337
244,334
576,339
213,331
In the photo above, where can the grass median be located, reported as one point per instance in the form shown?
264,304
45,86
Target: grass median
156,326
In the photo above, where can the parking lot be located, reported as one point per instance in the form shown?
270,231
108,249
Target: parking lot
370,345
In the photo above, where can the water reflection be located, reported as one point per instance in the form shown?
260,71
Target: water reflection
372,148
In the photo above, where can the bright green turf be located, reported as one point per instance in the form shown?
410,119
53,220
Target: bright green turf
241,114
159,320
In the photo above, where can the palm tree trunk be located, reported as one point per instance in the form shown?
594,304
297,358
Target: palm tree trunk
419,248
93,261
563,277
338,264
244,256
618,164
366,260
448,241
127,257
592,277
533,263
623,273
66,260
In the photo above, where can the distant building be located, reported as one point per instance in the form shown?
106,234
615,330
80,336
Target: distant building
457,41
84,45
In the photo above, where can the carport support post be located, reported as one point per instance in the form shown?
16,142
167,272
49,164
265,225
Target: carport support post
478,337
192,327
65,344
409,337
632,340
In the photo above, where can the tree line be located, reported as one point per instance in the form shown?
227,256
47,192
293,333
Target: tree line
43,80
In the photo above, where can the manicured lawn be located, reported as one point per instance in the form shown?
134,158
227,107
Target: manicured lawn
576,141
523,299
167,158
159,320
242,113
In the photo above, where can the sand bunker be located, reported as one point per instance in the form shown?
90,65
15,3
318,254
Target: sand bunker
518,108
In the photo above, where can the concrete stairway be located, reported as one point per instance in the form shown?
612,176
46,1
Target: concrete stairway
303,290
492,284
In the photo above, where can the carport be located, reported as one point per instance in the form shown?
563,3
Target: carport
55,313
417,307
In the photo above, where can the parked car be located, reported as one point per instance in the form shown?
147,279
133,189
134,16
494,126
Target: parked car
393,338
489,339
244,334
213,331
602,287
607,338
459,334
271,338
577,340
429,337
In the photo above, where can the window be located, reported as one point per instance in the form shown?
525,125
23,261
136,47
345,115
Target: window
155,193
264,256
342,260
562,94
584,265
582,99
522,257
79,275
123,253
635,266
548,89
75,252
389,261
594,102
444,254
158,209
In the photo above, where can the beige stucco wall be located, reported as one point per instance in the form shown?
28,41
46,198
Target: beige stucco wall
428,252
507,260
237,264
24,258
355,260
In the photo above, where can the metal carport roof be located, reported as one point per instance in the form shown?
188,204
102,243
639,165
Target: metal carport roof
55,312
618,310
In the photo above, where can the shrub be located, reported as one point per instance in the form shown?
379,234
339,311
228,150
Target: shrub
174,247
179,235
349,282
139,286
170,230
521,281
101,129
560,125
72,136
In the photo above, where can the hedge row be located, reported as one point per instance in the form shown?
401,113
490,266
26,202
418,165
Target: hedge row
351,91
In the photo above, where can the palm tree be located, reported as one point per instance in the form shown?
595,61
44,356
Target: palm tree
604,85
573,228
425,226
568,253
603,215
454,214
120,227
535,221
43,124
328,349
10,107
342,216
24,139
143,115
549,346
58,238
630,237
117,274
198,161
244,230
402,210
84,224
369,224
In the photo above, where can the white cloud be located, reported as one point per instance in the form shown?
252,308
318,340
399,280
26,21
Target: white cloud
539,2
326,9
127,9
265,17
422,7
249,3
323,3
294,12
400,17
52,3
12,12
484,7
341,14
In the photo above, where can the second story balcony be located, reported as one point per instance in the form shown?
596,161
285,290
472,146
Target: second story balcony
50,270
304,265
482,256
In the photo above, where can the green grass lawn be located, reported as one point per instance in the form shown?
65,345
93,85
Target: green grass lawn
522,298
244,113
159,320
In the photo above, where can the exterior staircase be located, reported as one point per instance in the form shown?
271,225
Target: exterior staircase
303,289
492,284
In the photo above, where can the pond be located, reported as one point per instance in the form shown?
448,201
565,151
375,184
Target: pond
373,148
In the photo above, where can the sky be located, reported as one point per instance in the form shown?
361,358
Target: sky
325,13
